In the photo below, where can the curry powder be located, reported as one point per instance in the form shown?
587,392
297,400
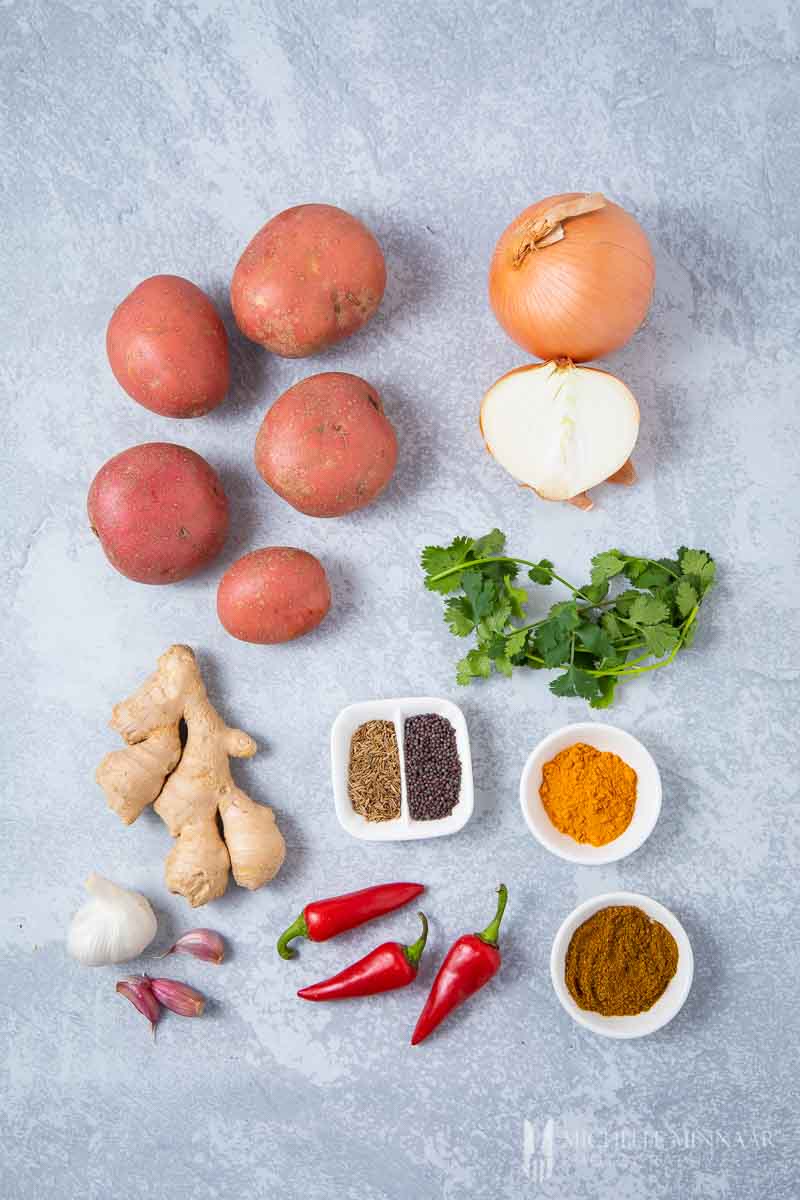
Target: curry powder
588,794
619,962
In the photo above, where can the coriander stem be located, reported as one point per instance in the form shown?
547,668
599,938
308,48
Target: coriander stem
625,671
500,558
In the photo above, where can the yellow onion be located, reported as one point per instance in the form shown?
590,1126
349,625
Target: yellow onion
572,277
561,429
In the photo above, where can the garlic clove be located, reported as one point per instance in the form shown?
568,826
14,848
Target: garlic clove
204,944
114,925
178,997
137,989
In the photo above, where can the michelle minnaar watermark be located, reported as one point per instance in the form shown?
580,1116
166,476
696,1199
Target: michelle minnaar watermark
547,1141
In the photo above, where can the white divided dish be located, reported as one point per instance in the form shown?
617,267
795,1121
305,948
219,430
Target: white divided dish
401,828
668,1004
648,793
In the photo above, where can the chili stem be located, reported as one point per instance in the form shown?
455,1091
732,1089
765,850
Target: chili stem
298,928
413,953
492,931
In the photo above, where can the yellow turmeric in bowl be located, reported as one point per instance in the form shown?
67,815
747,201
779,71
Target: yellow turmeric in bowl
588,794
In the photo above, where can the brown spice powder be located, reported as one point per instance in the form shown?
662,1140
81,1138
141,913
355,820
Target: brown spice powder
374,774
619,962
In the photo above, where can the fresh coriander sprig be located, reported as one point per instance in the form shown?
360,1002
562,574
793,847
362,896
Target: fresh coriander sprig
591,636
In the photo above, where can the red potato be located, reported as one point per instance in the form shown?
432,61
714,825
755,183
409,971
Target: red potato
310,277
159,511
273,595
326,445
168,348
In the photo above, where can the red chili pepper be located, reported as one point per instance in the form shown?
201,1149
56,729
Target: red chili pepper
323,919
470,962
388,966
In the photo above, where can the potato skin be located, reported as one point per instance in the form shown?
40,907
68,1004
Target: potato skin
273,595
160,512
310,277
326,445
168,348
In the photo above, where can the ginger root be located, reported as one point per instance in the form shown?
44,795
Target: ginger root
189,785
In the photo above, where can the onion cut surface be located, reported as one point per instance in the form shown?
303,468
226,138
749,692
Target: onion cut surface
560,429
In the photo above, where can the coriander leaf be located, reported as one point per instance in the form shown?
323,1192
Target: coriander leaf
685,597
480,592
660,639
490,544
594,639
565,615
516,644
606,565
634,568
693,561
708,575
542,572
504,666
647,610
458,615
576,683
436,559
653,576
476,664
607,685
594,592
611,626
553,638
494,622
625,600
688,636
552,646
496,647
517,596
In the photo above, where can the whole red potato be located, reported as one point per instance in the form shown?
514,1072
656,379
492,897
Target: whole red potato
326,445
310,277
273,595
168,348
159,511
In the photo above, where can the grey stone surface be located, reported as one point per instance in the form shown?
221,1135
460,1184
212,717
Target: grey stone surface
140,138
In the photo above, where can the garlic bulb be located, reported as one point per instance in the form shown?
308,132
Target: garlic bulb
114,926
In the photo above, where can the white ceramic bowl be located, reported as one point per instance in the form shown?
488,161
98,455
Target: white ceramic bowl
664,1009
401,828
648,793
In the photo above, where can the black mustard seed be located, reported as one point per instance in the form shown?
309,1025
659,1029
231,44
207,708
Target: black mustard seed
433,767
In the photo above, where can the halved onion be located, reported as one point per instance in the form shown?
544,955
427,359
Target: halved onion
560,429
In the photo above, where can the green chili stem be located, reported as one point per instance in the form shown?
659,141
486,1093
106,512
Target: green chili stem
492,931
298,928
413,952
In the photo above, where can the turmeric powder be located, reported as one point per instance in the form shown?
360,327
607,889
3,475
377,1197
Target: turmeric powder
588,794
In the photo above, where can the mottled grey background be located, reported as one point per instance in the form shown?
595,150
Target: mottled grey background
143,138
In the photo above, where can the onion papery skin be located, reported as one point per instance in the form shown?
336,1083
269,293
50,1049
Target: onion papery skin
581,297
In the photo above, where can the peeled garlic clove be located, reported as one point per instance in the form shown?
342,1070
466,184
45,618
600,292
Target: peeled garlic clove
204,944
178,997
136,988
560,429
115,925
